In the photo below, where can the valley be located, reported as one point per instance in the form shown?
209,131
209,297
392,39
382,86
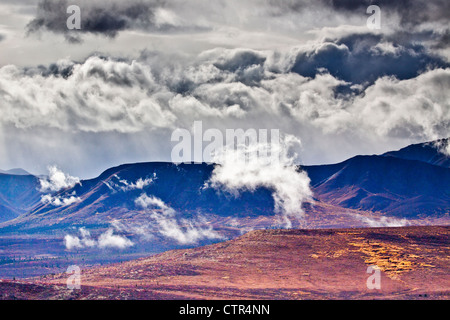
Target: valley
271,264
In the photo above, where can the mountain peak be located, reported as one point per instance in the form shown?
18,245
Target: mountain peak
428,152
16,172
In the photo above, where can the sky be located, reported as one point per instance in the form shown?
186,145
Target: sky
115,90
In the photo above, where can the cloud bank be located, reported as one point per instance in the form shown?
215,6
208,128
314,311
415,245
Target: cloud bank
108,18
382,221
107,95
311,68
225,88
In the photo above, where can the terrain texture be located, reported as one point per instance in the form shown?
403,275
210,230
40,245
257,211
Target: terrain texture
271,264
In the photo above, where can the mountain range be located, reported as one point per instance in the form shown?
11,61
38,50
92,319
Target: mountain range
412,183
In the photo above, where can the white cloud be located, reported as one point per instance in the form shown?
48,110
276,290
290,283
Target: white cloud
110,240
104,95
381,221
138,185
417,107
86,239
59,201
184,231
443,146
251,166
446,150
146,202
143,229
74,242
57,180
386,48
124,185
135,104
106,240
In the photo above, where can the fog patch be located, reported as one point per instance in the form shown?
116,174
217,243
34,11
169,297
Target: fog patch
168,224
251,166
106,240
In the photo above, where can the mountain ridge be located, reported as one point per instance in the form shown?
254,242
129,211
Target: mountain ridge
426,152
387,183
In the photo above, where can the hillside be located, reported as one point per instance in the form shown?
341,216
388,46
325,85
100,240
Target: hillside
394,186
275,264
427,152
18,195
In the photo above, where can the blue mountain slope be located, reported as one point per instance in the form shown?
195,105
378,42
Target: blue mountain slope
181,187
386,183
18,194
426,152
406,188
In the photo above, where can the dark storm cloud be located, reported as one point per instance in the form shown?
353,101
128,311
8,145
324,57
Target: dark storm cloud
100,17
356,59
247,65
108,18
144,99
363,58
311,68
54,69
410,11
443,41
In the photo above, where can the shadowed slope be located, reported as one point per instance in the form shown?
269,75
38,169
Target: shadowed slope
18,194
426,152
398,187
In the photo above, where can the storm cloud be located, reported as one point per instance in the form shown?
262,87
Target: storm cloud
105,18
108,18
107,94
229,88
411,12
145,68
363,58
